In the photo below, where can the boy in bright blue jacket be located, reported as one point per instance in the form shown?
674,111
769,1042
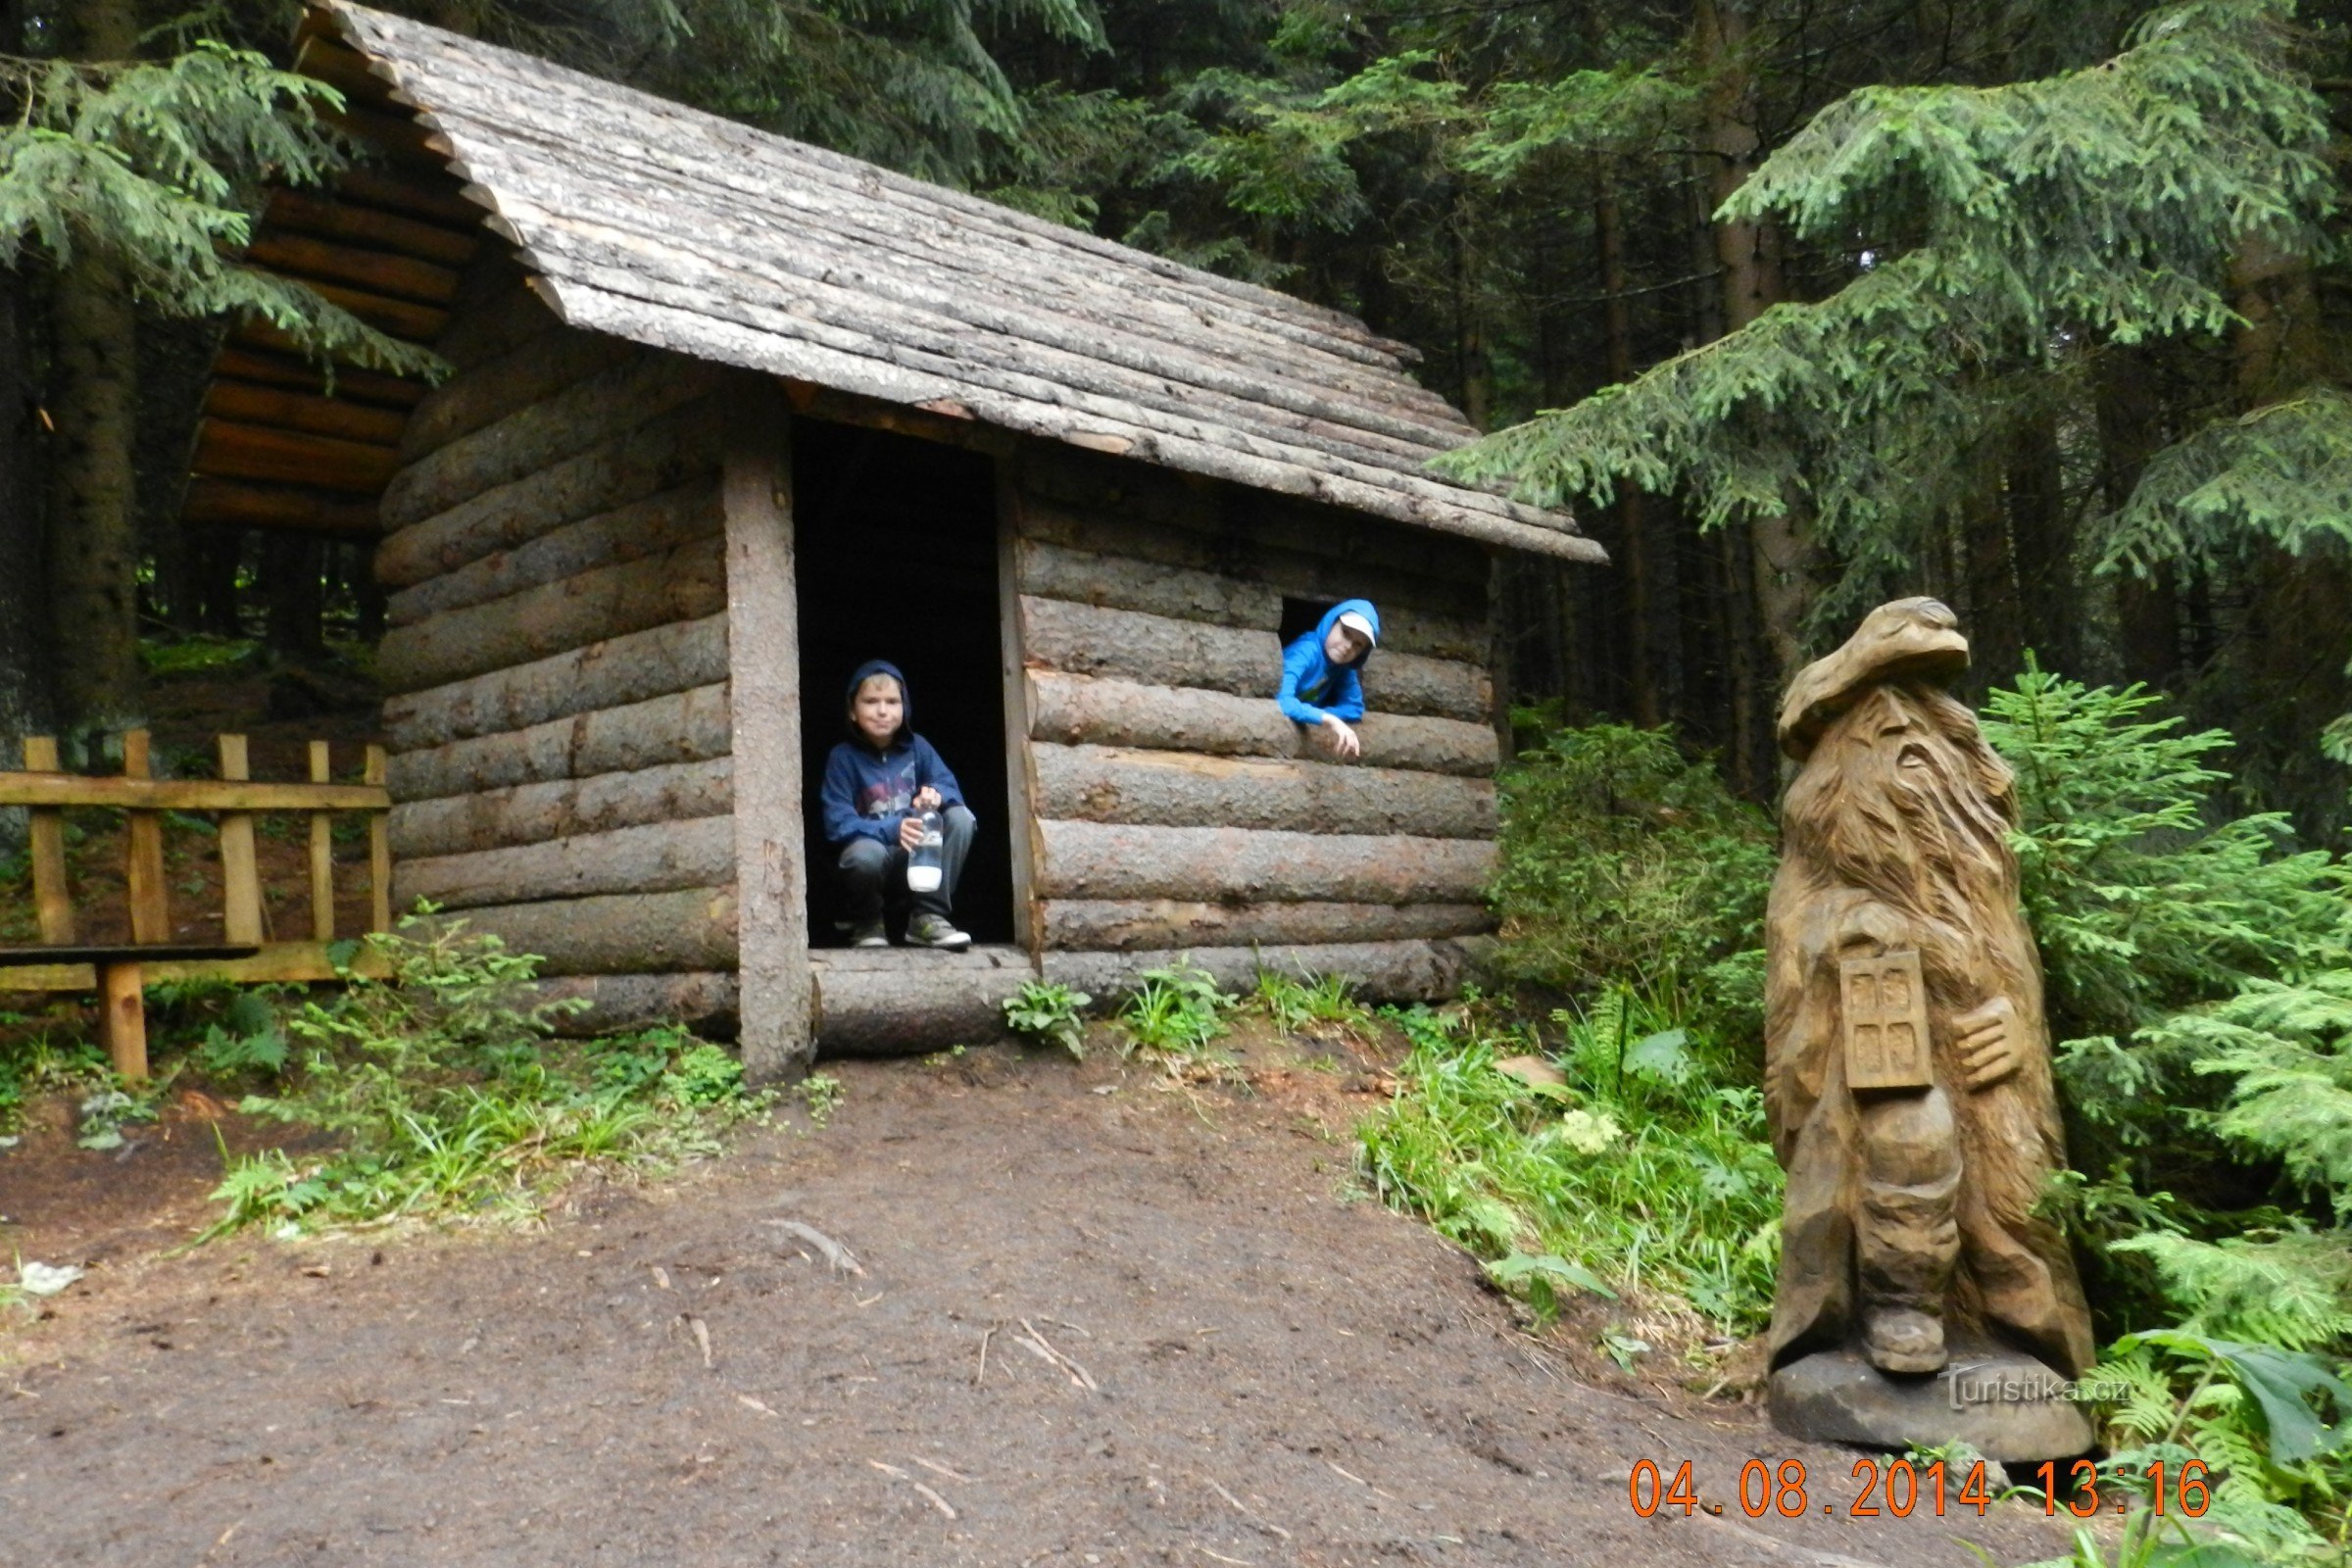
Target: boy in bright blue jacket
875,782
1322,674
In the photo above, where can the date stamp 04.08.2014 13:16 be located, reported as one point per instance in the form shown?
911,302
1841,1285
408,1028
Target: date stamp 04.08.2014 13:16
1901,1489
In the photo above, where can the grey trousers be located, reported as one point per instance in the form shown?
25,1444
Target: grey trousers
873,872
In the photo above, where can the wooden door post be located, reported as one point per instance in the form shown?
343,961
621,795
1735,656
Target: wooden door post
150,908
763,657
240,872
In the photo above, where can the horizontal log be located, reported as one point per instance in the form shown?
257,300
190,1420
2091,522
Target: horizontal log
654,857
646,527
574,419
1088,640
1396,682
686,583
387,272
1086,482
1075,709
1190,789
498,312
402,318
660,455
672,658
234,450
531,371
1297,573
689,930
531,814
1128,925
291,409
428,199
922,1002
301,374
308,213
291,508
624,1004
1425,971
187,793
1209,865
685,727
1121,582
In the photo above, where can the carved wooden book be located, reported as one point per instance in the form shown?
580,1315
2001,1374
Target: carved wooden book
1884,1008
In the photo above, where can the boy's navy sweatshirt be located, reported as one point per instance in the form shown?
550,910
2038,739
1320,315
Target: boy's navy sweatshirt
1311,684
867,791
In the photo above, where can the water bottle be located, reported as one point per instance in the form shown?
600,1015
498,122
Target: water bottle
923,870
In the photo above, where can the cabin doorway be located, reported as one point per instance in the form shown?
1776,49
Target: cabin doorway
895,545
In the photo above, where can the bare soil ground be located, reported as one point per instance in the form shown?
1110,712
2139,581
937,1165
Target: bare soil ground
1097,1322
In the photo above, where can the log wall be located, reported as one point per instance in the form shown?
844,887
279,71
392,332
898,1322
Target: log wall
557,655
1176,808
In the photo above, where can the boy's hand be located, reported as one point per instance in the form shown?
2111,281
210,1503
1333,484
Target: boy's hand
1341,739
910,833
929,798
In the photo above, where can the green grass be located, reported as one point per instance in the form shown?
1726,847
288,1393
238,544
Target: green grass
444,1097
1647,1172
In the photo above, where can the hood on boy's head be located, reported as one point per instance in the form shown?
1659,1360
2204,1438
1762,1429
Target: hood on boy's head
1349,606
858,678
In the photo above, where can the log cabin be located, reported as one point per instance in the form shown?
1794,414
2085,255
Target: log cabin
727,415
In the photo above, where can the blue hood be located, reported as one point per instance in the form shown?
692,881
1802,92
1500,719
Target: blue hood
882,666
1360,606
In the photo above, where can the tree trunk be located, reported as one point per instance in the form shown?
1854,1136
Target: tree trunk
1784,566
2041,536
292,570
2130,416
1649,578
94,548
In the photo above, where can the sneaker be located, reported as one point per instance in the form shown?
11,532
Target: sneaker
934,931
870,936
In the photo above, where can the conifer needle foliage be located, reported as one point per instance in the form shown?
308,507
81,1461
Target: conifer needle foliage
1995,235
150,163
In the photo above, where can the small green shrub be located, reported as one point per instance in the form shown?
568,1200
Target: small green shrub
1646,1171
1291,1004
1174,1011
447,1098
1048,1014
1621,859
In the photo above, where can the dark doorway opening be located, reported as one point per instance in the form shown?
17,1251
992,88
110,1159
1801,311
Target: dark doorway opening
896,558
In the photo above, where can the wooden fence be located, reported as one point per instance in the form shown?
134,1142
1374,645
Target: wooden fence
235,798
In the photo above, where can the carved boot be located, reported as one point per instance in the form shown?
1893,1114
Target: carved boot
1907,1238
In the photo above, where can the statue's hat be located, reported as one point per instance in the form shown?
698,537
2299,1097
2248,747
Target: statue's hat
1910,639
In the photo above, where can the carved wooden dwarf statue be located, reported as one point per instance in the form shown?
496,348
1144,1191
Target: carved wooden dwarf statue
1907,1064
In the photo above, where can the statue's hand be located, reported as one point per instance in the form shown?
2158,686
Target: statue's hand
1990,1043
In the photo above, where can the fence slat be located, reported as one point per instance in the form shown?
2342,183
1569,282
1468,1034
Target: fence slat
240,871
322,856
187,793
379,850
150,899
52,893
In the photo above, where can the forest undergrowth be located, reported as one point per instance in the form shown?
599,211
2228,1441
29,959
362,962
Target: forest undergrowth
1600,1129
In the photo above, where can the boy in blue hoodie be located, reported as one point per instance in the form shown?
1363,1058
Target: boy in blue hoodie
875,784
1322,676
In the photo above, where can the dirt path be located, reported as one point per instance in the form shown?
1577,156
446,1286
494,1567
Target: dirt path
1278,1375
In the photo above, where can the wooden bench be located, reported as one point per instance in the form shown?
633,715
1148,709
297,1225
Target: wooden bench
247,951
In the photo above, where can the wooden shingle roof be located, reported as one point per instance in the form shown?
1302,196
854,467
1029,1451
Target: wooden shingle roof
649,221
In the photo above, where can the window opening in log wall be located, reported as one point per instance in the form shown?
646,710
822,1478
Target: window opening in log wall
1302,616
896,558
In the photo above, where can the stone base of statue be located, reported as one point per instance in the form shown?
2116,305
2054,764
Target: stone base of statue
2001,1402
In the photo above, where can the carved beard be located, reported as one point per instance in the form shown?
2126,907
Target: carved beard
1903,799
